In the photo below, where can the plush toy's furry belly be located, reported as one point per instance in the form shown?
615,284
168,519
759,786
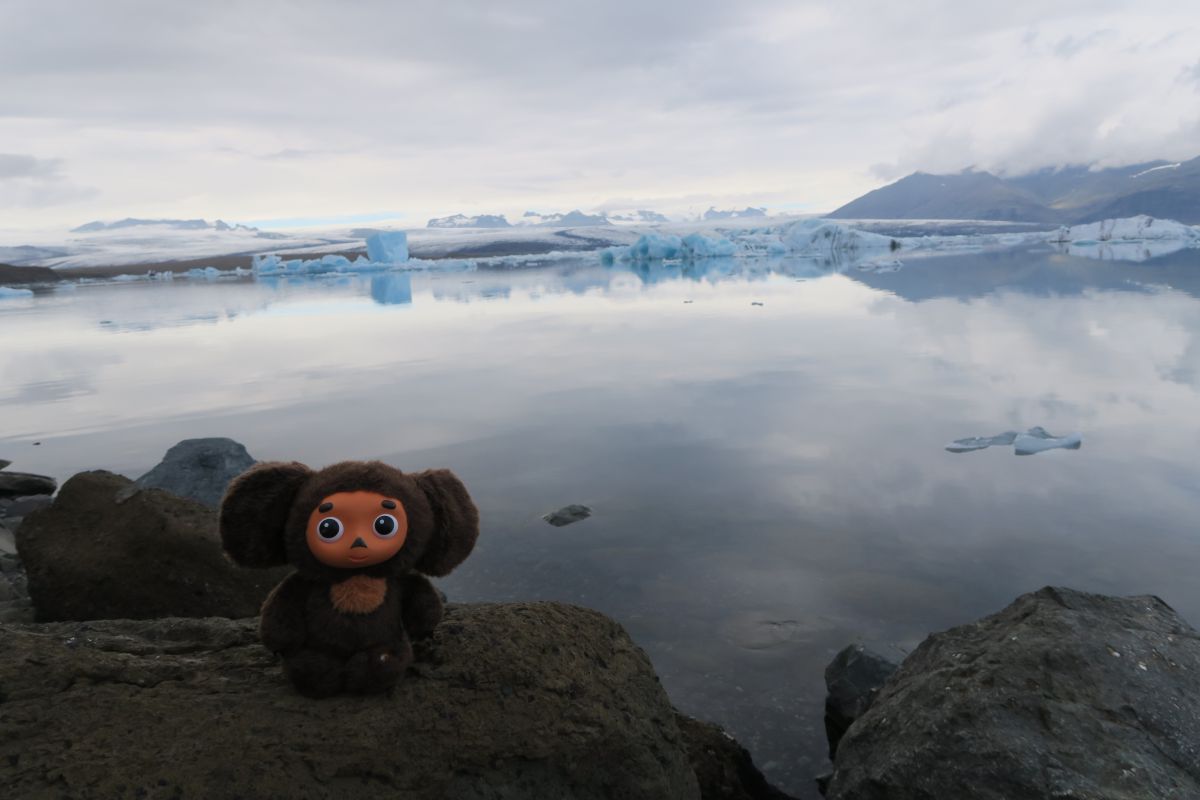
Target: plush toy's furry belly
358,595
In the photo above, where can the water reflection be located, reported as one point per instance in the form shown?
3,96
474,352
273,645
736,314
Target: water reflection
768,483
392,289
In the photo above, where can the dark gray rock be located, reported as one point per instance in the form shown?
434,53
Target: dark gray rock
852,680
723,767
1062,694
15,605
8,543
567,514
16,484
526,700
23,506
5,463
199,469
91,555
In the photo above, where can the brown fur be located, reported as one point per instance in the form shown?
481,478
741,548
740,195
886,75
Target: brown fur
358,594
347,629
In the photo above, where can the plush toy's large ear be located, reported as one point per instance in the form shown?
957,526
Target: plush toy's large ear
254,512
455,522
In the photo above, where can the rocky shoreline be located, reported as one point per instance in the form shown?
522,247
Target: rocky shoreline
130,666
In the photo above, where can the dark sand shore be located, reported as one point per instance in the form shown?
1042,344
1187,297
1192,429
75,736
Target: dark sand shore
10,275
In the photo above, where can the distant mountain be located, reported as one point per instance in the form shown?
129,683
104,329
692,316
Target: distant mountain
640,215
460,221
712,213
572,219
174,224
1069,195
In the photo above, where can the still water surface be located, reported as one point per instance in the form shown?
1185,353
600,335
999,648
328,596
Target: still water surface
761,443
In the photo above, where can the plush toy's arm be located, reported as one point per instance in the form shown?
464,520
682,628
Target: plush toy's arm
420,606
282,627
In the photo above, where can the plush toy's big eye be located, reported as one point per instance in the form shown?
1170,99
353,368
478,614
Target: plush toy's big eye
386,526
330,529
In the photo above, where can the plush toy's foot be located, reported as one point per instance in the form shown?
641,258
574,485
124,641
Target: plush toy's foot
378,669
314,673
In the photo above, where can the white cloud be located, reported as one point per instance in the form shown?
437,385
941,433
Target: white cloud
311,108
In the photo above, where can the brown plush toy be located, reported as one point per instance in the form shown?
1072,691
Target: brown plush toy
362,536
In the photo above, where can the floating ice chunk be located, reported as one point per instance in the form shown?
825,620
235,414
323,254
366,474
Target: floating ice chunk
822,237
611,255
270,264
388,247
203,273
697,245
1032,441
334,263
10,293
1127,229
1036,439
656,247
980,442
668,247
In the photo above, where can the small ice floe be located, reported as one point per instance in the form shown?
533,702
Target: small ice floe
567,514
1036,439
1032,441
894,265
11,293
669,247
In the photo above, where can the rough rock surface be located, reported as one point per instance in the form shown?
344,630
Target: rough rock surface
723,767
15,605
852,680
16,484
199,469
526,700
106,550
8,542
1062,694
567,514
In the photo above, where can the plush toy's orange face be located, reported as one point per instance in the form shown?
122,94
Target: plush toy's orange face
356,529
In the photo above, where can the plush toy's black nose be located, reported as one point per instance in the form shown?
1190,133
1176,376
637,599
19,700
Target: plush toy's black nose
358,543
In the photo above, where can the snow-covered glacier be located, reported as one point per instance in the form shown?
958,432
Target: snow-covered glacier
1137,238
807,238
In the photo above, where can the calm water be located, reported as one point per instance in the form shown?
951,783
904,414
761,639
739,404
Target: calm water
769,481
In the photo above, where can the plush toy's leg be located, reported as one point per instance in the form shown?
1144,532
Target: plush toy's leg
378,669
314,673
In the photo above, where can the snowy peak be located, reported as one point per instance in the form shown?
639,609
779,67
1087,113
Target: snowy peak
639,216
172,224
571,219
713,213
462,221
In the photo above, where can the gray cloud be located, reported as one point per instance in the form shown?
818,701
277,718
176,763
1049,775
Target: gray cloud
14,165
1192,75
1070,46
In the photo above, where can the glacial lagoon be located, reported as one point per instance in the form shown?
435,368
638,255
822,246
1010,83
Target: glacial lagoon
762,443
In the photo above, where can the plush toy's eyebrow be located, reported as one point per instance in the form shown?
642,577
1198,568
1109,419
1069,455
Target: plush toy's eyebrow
388,504
325,507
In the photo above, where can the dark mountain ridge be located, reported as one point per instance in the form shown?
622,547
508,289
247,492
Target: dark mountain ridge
1067,195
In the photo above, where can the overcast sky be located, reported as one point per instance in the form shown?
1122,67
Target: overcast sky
275,110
